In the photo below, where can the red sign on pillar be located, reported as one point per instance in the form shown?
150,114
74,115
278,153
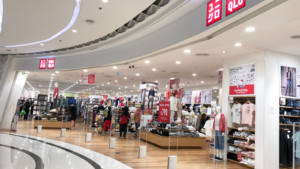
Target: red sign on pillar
91,79
51,64
164,112
43,63
234,5
214,11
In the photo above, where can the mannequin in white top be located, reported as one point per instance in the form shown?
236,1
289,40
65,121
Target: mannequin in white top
173,102
217,120
180,95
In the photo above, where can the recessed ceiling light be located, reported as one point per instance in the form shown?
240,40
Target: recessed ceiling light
156,81
133,85
116,81
125,77
202,81
74,30
172,78
107,82
104,1
115,67
147,61
194,74
102,84
187,51
224,51
250,29
137,74
42,44
85,70
97,86
238,44
53,74
153,69
178,62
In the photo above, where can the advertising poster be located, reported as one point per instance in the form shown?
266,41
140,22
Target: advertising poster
149,97
206,97
176,82
242,80
196,97
187,98
220,77
289,81
88,79
164,112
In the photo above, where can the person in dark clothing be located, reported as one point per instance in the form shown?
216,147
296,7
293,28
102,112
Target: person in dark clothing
26,109
73,115
123,123
203,120
31,111
151,97
107,121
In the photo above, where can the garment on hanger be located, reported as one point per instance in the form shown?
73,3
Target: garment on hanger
248,114
191,116
286,147
236,113
208,128
168,95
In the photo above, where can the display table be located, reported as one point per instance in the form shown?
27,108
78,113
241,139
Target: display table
52,124
163,141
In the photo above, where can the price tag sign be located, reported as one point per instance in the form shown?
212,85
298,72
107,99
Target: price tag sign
239,157
230,99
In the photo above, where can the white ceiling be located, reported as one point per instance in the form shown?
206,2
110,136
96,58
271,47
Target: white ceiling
34,20
273,31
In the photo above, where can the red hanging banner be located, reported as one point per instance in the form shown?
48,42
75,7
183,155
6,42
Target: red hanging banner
164,112
43,63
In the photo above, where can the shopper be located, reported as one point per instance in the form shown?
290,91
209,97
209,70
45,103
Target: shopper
108,121
26,109
123,123
31,111
137,119
73,115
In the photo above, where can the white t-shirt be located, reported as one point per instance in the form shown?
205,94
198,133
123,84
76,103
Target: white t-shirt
236,113
217,121
208,128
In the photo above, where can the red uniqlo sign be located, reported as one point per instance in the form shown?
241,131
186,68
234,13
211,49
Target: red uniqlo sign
51,64
234,5
43,63
91,79
214,11
164,112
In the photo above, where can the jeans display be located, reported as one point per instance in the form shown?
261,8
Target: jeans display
151,98
286,147
289,103
219,140
288,86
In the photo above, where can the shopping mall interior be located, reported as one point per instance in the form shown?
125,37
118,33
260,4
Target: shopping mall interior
109,84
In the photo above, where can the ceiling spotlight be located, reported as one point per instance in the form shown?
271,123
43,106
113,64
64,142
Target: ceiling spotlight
76,82
133,85
97,86
115,67
177,62
74,30
238,44
250,29
147,62
187,51
56,71
53,74
172,78
156,81
42,44
137,74
202,81
194,74
125,77
126,87
85,70
153,69
104,1
108,83
102,84
224,51
119,88
116,81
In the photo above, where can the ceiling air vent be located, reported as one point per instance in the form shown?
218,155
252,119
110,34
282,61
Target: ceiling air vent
211,76
175,72
107,76
202,54
163,71
295,37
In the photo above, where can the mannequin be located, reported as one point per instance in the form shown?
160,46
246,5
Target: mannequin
191,116
219,126
168,93
55,94
180,101
173,102
151,96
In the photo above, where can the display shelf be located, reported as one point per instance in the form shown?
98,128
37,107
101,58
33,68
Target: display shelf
289,116
242,96
246,165
239,137
241,154
286,107
235,128
241,146
159,128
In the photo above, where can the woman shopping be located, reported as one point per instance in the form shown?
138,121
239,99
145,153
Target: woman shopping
137,119
123,123
108,121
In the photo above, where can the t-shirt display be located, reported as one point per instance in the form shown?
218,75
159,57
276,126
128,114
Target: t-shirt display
248,114
236,113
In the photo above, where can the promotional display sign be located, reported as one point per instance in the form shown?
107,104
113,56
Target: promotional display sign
88,79
43,63
51,64
206,97
234,5
242,80
149,98
290,81
176,82
239,157
187,98
28,94
220,77
214,11
164,112
230,99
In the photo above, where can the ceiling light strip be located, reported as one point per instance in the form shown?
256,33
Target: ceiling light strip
71,23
